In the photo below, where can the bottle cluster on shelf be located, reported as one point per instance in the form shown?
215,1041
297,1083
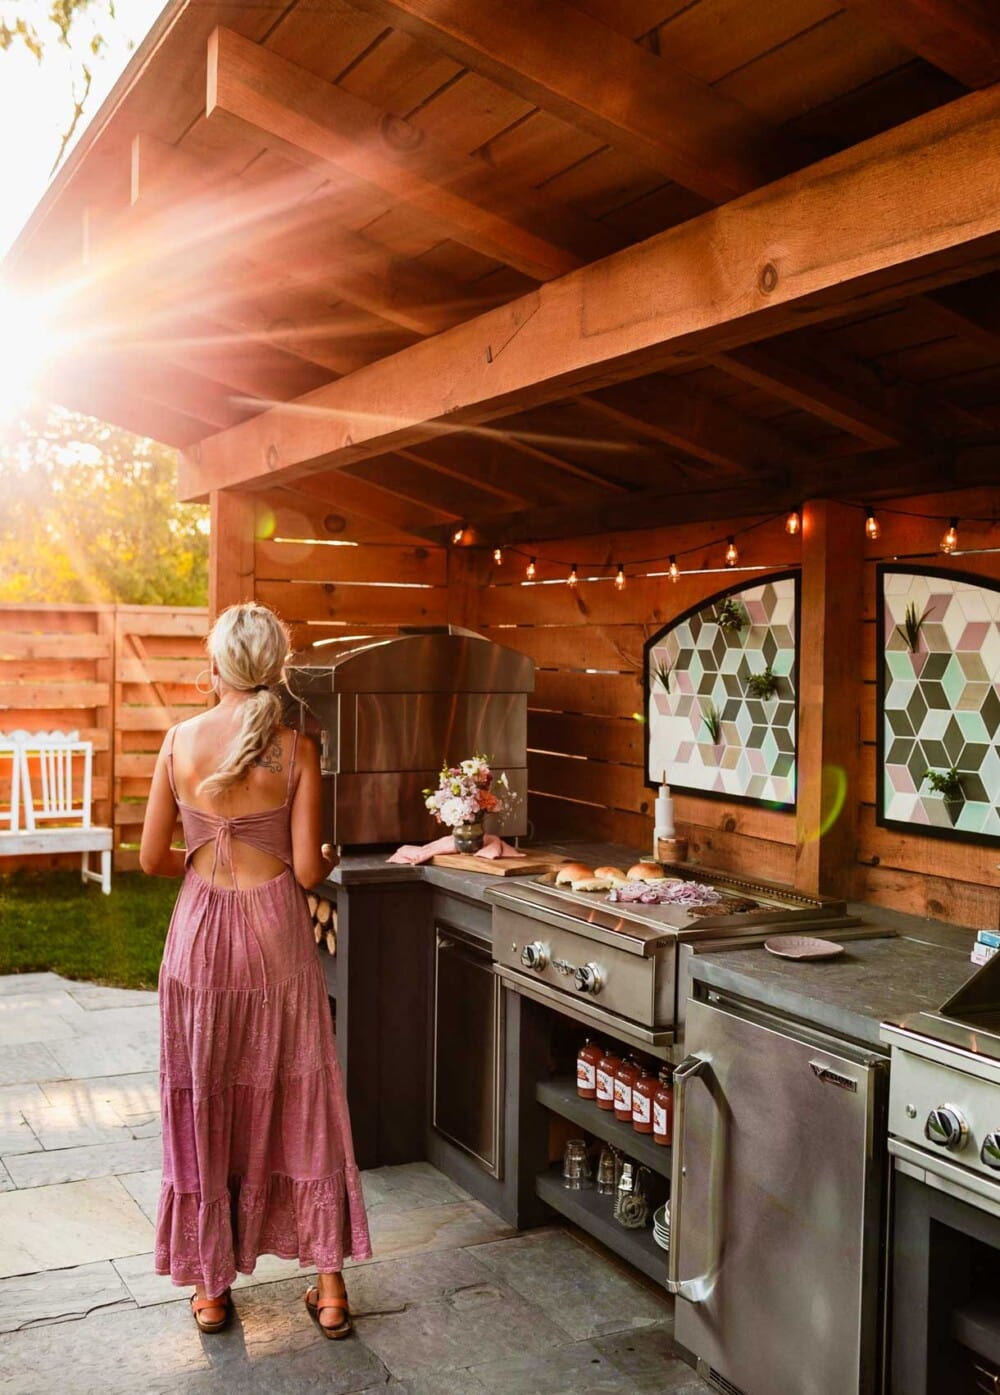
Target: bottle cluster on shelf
636,1090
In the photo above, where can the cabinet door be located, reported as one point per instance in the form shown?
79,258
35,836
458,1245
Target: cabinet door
779,1176
467,1084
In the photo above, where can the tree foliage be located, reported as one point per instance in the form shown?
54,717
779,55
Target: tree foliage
90,514
20,19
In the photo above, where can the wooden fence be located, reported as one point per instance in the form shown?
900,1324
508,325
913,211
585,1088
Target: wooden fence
120,675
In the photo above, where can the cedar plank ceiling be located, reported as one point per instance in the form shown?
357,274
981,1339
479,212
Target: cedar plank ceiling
259,212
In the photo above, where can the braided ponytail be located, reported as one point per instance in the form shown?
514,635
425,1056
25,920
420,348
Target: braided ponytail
249,645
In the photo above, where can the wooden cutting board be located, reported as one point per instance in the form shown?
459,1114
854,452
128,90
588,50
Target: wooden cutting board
532,864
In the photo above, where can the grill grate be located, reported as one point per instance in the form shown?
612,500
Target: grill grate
720,1382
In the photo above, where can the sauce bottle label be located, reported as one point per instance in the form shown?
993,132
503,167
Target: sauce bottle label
659,1120
640,1108
586,1075
623,1095
605,1085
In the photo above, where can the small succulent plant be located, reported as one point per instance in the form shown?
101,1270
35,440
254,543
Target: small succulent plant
945,782
762,685
730,615
712,719
912,624
660,673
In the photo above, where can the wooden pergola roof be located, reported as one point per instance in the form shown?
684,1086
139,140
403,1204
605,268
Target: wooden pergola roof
542,267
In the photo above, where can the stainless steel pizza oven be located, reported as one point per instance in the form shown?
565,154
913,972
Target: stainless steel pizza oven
389,710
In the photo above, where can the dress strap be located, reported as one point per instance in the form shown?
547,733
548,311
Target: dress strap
291,763
170,763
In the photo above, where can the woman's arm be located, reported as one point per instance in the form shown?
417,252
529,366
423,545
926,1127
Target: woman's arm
308,861
156,856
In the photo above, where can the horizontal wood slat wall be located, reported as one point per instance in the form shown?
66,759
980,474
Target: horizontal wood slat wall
585,736
120,676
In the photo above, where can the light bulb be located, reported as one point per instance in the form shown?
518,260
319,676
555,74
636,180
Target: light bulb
950,540
458,536
498,556
732,556
673,571
872,526
793,522
620,577
529,570
573,577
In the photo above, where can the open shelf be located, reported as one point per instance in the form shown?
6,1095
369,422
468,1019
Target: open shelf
560,1096
593,1213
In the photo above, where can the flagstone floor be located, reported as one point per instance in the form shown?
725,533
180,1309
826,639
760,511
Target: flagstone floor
454,1302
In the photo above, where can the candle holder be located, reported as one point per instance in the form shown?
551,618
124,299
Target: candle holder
671,849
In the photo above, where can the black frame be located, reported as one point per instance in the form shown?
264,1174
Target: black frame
789,573
922,830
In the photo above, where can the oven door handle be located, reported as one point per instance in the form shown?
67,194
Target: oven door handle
694,1290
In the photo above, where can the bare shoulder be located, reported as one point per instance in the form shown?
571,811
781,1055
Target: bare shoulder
306,750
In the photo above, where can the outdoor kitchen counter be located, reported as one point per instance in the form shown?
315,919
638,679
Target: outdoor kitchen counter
916,967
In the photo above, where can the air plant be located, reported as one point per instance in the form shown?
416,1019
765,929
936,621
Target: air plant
762,685
660,673
730,615
945,782
909,630
712,719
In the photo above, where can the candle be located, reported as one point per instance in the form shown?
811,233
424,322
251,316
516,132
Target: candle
664,818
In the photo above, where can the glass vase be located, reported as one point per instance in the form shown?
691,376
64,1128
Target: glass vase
468,837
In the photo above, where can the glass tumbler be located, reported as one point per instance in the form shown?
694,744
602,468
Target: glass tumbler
576,1169
607,1171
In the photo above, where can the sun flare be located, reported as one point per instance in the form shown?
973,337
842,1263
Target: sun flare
25,346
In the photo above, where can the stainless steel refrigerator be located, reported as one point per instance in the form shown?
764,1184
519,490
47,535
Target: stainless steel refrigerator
776,1204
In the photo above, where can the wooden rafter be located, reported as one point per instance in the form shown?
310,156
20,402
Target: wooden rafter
962,37
908,210
594,77
290,110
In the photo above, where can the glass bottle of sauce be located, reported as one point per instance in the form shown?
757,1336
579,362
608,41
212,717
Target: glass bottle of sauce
586,1069
625,1077
663,1109
606,1068
642,1101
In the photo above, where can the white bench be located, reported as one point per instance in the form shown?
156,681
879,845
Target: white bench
55,816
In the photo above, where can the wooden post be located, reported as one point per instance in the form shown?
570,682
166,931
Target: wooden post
467,572
829,698
231,576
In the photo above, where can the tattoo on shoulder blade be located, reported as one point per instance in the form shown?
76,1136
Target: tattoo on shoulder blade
270,759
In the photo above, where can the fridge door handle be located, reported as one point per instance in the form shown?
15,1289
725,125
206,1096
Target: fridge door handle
694,1290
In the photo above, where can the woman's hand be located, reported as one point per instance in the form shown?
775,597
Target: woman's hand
331,855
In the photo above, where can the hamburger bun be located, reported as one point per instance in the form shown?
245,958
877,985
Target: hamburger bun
646,872
613,874
572,871
591,884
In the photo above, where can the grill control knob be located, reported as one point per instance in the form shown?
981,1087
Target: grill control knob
946,1128
534,956
990,1152
588,979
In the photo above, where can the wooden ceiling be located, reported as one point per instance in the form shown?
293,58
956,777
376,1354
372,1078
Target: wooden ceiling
307,242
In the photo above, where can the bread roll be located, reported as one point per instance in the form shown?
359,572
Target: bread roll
572,871
591,884
613,874
646,872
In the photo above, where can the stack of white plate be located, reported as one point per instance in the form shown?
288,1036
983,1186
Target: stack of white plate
661,1226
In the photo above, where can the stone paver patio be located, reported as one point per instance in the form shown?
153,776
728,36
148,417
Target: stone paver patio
454,1302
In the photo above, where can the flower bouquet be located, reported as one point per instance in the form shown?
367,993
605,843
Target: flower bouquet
465,794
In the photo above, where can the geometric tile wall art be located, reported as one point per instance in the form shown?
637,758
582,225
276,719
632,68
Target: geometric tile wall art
721,695
939,703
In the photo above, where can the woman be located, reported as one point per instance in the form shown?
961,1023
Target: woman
257,1152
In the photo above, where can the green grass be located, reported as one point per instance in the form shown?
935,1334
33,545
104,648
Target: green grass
52,921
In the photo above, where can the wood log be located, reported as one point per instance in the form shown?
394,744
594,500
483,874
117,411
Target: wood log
324,912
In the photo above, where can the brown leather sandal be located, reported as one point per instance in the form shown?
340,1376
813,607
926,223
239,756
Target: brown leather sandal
198,1305
316,1304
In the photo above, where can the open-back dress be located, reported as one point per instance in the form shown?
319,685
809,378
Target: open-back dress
257,1150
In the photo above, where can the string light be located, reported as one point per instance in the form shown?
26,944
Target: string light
620,577
950,540
573,577
498,556
529,570
459,535
673,571
871,524
732,556
793,522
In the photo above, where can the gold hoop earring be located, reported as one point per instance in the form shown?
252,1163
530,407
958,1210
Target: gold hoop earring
198,685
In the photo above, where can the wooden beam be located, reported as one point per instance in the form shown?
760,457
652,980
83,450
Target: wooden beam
961,37
829,680
231,577
909,210
591,75
292,111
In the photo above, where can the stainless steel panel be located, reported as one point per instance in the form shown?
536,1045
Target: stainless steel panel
467,1063
919,1086
781,1186
388,806
633,986
982,1193
419,731
417,663
655,1043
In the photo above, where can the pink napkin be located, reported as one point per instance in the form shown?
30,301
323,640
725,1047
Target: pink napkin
412,852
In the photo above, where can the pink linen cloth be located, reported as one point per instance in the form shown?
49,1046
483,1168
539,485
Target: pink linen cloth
414,854
257,1150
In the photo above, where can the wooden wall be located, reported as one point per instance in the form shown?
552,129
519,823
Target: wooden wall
120,675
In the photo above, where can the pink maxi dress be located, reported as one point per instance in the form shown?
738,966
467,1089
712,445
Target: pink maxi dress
257,1150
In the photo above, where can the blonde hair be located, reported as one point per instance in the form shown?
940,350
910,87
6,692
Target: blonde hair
249,646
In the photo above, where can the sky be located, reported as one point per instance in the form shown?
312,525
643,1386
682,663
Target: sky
36,99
